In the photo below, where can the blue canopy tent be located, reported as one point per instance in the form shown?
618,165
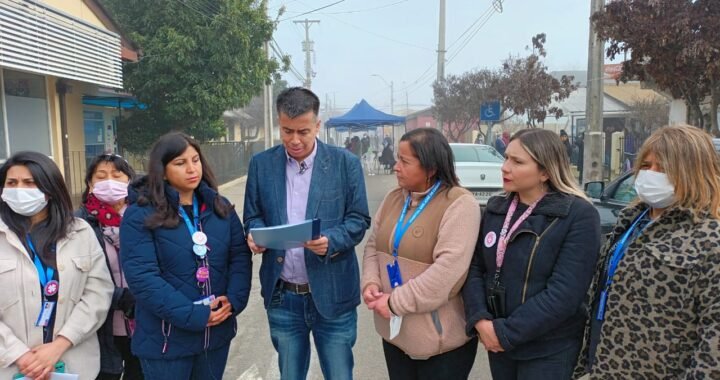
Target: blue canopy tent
363,117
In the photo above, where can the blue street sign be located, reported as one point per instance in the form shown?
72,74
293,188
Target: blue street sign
490,111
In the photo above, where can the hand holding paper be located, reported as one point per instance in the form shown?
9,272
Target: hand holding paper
287,236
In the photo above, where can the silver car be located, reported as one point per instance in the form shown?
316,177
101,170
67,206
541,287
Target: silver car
478,168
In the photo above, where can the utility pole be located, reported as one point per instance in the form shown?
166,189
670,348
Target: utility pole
441,52
308,48
593,167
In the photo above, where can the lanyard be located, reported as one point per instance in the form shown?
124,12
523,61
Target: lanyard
618,254
401,228
191,226
505,234
45,274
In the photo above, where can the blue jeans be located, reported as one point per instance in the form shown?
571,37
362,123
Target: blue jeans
557,366
292,318
208,365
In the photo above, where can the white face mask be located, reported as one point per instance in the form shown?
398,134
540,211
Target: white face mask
654,188
27,202
110,191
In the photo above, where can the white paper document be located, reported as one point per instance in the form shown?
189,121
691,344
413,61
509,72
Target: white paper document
286,236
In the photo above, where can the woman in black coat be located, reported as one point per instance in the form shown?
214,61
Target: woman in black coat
533,263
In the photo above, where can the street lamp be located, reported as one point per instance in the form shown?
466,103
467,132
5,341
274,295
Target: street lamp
392,92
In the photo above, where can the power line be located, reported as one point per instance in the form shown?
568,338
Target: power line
381,36
490,9
361,10
312,11
470,37
184,3
278,51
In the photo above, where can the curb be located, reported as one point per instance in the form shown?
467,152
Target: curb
232,183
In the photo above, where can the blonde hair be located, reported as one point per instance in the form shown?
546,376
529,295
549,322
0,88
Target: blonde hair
688,157
549,153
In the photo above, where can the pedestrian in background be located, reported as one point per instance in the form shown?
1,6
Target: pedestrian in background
104,201
533,264
187,263
55,288
314,289
655,296
416,261
566,143
500,145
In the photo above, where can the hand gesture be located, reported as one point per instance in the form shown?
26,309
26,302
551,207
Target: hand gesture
489,339
254,248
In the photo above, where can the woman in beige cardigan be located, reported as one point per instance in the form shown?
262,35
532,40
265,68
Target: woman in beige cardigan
55,288
416,261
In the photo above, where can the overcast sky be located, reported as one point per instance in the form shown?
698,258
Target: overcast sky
398,39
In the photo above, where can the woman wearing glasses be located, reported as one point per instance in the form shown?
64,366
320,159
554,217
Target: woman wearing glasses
186,262
103,205
55,288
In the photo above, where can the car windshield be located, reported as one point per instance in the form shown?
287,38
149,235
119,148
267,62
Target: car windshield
476,153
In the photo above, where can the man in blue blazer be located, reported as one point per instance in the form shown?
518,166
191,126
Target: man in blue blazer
316,288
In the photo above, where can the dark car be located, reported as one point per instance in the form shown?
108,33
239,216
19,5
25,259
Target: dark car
611,198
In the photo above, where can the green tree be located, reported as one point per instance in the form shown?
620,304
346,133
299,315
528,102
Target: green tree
673,44
199,58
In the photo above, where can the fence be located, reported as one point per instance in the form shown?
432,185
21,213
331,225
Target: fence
229,160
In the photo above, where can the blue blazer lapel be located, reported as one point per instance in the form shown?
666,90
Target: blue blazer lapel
278,177
320,179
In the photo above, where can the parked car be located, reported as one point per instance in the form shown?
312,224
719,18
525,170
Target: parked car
478,168
611,198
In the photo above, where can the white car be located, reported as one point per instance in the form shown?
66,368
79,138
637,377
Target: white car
478,168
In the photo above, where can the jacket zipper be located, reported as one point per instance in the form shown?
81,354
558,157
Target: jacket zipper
530,261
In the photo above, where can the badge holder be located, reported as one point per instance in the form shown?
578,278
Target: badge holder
496,298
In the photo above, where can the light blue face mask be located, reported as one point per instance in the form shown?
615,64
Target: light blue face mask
27,202
654,188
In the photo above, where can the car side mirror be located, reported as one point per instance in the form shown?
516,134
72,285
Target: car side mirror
594,189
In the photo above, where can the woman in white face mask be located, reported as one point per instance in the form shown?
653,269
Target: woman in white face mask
55,289
103,205
655,298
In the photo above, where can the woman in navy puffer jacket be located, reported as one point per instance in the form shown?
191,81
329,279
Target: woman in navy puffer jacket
187,263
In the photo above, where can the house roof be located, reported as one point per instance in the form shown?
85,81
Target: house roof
575,104
129,50
632,92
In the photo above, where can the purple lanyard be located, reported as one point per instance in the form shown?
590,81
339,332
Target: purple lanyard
505,234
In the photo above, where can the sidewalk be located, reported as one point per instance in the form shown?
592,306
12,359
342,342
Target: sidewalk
235,192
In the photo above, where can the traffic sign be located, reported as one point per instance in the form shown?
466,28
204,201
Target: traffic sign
490,111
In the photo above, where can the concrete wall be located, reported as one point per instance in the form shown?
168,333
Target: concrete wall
76,8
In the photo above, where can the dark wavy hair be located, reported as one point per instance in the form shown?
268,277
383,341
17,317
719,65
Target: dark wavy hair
167,148
118,162
434,153
49,180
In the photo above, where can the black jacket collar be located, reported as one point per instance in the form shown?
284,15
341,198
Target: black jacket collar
552,205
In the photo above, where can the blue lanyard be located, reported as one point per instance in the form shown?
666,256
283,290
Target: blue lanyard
45,274
191,226
618,254
401,228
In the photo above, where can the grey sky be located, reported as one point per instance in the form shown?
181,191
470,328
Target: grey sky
398,40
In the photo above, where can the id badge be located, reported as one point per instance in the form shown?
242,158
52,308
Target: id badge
394,274
205,301
395,323
45,314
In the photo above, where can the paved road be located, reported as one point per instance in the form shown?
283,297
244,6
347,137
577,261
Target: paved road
252,356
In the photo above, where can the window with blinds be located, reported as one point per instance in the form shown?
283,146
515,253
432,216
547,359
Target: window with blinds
43,40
